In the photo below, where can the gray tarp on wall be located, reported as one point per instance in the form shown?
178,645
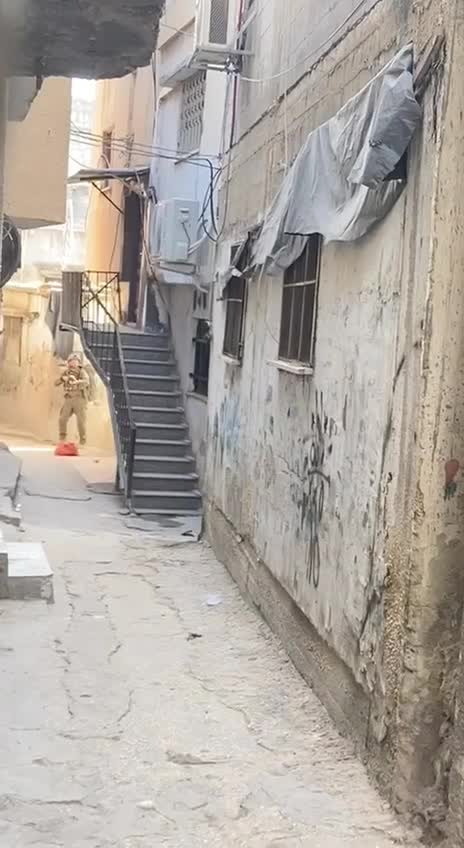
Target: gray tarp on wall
336,185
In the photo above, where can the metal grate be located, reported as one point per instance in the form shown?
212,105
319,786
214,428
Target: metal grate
299,305
218,21
191,118
202,342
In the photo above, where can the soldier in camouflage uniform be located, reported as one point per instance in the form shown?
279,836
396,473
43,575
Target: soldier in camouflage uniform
75,381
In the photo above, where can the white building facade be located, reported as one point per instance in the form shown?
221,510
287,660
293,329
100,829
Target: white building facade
189,143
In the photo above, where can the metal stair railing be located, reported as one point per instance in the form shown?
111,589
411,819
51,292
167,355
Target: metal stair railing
102,339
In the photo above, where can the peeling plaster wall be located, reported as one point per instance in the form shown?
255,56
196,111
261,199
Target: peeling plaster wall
36,147
365,410
29,400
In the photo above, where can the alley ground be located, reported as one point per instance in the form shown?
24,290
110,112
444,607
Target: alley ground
149,706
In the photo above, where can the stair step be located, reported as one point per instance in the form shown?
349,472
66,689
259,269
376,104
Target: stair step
185,483
162,499
163,432
162,447
149,368
147,354
164,464
149,399
175,513
145,382
145,340
158,414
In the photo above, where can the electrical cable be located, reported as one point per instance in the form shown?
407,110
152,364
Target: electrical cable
195,161
313,52
149,149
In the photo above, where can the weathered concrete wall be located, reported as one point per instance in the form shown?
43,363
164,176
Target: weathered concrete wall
29,401
37,157
370,407
124,107
86,39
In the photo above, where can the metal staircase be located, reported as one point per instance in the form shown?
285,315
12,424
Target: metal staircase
156,469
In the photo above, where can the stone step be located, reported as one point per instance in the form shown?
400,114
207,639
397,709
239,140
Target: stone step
146,482
162,499
164,464
151,399
158,414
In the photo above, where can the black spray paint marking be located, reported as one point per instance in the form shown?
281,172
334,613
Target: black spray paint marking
318,484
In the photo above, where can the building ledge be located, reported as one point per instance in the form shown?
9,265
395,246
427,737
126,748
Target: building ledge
232,360
296,368
196,396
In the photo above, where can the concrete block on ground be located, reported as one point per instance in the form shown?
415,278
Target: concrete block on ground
29,574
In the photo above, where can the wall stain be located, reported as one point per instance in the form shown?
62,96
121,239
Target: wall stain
451,469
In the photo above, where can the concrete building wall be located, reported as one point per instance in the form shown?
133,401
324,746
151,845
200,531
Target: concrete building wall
37,159
381,524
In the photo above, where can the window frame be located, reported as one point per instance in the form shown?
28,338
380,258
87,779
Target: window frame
236,354
295,280
201,342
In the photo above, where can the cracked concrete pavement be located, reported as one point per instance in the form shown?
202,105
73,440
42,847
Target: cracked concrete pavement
135,715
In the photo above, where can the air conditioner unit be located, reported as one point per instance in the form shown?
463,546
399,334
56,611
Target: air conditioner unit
213,34
174,232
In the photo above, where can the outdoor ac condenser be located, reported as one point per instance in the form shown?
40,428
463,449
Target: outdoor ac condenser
214,27
175,232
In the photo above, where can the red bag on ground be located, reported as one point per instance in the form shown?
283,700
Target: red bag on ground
66,449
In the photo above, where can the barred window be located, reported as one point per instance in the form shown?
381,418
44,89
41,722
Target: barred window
202,343
299,305
191,118
236,294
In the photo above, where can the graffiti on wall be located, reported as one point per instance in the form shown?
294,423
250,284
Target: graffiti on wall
318,484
